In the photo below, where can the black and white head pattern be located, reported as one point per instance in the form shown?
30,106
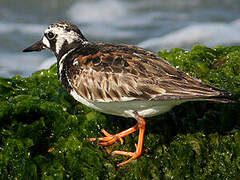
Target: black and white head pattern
61,34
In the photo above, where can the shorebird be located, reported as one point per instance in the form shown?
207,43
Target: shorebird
121,80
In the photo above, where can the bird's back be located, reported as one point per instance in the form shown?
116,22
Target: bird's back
106,72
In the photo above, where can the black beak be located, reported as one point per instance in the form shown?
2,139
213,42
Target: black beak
38,46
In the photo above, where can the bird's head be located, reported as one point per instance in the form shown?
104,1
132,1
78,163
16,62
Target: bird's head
59,37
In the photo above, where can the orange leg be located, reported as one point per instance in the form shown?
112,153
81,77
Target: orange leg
110,139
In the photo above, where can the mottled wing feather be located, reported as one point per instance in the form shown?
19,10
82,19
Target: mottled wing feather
122,73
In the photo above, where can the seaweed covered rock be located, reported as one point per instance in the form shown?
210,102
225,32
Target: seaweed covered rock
44,131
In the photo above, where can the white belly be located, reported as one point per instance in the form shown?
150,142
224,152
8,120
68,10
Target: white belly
143,108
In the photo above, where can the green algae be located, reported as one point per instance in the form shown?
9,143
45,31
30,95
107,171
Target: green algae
44,131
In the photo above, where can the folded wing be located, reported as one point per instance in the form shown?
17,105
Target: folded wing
125,73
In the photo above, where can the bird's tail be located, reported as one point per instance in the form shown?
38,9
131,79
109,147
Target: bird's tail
224,96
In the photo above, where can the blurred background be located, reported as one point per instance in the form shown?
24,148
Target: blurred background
151,24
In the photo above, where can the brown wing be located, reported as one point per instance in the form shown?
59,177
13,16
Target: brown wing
122,73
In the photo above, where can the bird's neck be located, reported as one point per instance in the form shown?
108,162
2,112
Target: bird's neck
62,64
66,48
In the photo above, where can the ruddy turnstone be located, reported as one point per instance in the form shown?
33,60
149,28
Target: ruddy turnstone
122,80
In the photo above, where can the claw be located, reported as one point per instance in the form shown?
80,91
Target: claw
125,153
92,139
110,135
134,155
110,139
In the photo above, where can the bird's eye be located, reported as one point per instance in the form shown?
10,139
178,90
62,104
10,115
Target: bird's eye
50,35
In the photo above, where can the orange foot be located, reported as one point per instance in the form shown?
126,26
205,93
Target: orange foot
110,139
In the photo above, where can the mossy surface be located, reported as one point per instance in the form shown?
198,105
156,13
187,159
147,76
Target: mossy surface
44,131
